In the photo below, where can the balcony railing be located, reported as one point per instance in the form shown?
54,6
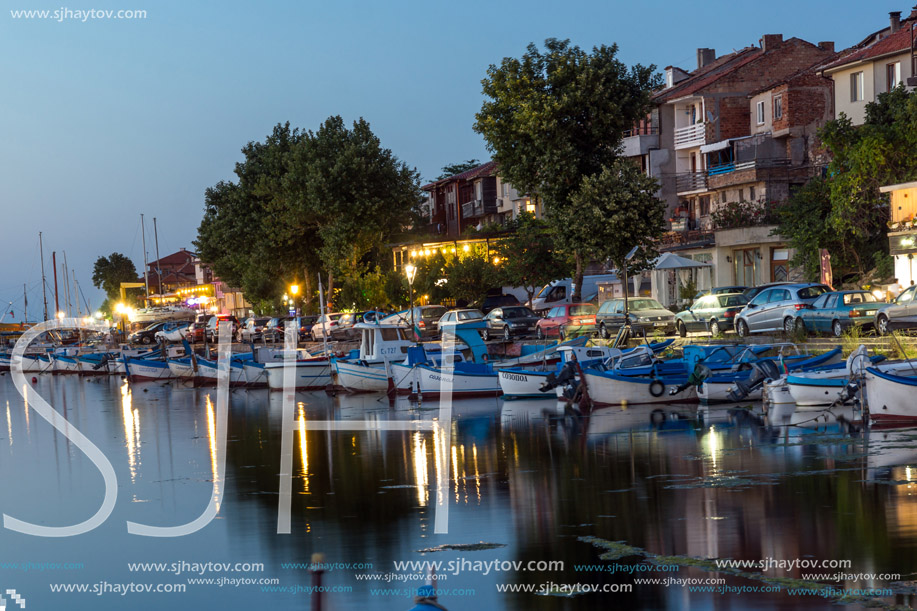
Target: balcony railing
478,207
693,135
648,130
690,181
725,168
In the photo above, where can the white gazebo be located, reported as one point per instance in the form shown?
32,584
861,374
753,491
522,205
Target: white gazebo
683,269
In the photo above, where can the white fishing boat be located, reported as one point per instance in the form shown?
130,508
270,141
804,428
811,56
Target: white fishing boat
183,369
891,396
144,370
518,382
65,364
163,313
610,388
208,372
255,376
309,374
370,370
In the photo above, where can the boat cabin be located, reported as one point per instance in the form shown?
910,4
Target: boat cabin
382,342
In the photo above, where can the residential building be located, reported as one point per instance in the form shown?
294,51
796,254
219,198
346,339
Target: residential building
474,198
730,147
178,270
881,62
902,229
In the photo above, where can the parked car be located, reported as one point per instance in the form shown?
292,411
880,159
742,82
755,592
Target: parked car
766,311
147,335
275,328
252,329
714,313
344,329
508,322
570,318
835,312
210,331
173,331
325,324
899,314
721,290
560,292
454,317
426,319
645,315
195,332
495,301
752,291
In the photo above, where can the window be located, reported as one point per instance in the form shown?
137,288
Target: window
761,112
762,297
892,75
778,107
478,188
830,301
857,92
751,194
778,295
813,291
703,205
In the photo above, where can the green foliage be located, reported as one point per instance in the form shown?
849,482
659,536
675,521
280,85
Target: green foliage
732,215
470,275
109,272
457,168
529,257
884,263
613,212
556,117
363,291
882,151
305,203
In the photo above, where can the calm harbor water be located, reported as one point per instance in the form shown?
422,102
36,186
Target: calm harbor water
533,483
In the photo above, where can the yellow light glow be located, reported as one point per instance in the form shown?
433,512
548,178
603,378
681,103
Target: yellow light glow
119,308
453,249
466,248
496,260
413,253
426,252
411,271
60,315
294,289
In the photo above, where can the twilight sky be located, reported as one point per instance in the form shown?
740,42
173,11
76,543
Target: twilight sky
105,119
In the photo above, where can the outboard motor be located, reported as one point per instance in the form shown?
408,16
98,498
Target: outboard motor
103,362
701,372
761,372
567,374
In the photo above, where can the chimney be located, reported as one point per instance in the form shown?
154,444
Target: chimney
913,14
705,56
827,45
771,42
894,18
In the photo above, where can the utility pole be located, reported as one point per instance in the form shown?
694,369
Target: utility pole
158,269
44,294
56,300
146,275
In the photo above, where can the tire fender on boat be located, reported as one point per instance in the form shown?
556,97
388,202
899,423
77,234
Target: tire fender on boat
657,388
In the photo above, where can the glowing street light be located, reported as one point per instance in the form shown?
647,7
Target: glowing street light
294,289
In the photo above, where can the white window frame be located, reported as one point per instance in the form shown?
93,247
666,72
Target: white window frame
760,112
897,66
778,106
857,86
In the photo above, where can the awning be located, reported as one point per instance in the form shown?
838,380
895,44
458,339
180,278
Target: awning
670,260
716,146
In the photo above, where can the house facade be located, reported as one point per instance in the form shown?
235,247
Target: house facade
902,230
881,62
728,142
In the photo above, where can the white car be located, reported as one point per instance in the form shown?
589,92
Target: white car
319,329
173,332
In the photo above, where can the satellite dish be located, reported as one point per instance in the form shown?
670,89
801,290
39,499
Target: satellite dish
710,117
630,255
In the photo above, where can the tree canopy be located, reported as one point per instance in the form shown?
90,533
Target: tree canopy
880,152
555,117
457,168
528,257
109,272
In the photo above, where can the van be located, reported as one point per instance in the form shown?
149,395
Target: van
560,292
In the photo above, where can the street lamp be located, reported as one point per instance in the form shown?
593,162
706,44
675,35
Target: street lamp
121,309
294,291
411,271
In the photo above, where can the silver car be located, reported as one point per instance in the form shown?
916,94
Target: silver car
899,314
766,311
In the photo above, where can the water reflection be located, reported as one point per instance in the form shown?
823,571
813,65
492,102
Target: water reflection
735,481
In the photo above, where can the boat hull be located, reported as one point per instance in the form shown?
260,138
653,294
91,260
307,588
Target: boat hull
140,370
361,377
610,389
891,397
430,381
309,375
519,383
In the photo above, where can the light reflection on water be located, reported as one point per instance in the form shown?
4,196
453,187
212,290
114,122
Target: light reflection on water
681,480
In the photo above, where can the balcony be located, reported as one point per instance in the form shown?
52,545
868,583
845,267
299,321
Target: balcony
690,182
636,144
680,240
693,135
754,170
479,207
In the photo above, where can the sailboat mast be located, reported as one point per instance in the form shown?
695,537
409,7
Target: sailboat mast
56,300
158,269
44,293
67,287
25,304
146,275
76,295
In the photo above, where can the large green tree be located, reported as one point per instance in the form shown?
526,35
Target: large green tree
457,168
556,117
109,272
350,191
613,212
882,151
529,257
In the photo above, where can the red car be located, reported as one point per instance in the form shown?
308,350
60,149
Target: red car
567,320
195,332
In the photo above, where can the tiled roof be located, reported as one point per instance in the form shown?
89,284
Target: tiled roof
708,74
485,169
815,68
899,41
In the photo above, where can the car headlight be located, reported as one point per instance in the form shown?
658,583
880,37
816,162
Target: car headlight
643,319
